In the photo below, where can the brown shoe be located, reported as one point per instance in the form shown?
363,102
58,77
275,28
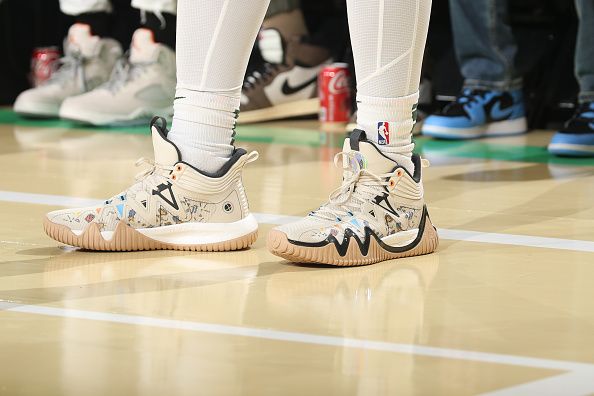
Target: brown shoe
287,83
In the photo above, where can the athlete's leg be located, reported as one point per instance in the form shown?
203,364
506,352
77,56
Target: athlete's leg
173,205
388,39
214,43
379,211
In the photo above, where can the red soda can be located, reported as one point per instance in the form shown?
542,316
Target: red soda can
335,93
43,64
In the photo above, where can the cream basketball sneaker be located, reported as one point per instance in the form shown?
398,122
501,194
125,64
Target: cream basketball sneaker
142,85
171,205
377,214
88,63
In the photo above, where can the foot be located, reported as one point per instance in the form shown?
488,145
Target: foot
479,114
143,84
377,214
170,206
286,84
576,139
88,63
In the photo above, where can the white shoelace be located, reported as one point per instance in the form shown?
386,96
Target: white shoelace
72,68
125,72
152,169
359,186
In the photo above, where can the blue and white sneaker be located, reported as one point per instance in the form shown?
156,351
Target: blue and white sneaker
479,113
576,139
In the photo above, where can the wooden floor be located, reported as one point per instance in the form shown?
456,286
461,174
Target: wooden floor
505,307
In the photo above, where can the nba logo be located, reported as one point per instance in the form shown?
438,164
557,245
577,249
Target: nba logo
383,133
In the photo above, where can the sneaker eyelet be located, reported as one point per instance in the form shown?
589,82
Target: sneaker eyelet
178,168
399,173
174,177
392,183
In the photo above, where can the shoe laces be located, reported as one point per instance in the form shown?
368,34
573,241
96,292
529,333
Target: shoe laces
125,72
152,169
71,68
359,185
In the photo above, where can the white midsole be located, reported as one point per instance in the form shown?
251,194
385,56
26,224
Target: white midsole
571,147
508,127
195,233
97,118
36,108
402,238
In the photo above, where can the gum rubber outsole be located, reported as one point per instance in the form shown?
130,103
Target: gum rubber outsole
127,239
279,245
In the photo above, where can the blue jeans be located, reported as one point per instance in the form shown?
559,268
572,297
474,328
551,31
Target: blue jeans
486,48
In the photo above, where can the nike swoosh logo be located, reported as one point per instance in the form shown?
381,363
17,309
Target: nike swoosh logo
498,114
290,90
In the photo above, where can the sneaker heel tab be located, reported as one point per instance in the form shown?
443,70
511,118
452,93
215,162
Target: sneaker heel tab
252,156
358,135
160,124
419,164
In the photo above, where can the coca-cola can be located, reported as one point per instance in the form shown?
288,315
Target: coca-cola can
335,93
43,64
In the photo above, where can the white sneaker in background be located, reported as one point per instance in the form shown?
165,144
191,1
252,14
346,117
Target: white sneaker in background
141,86
87,63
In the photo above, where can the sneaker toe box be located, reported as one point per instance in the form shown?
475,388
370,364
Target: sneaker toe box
34,102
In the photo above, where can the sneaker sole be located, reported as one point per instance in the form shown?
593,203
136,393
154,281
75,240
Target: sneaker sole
426,242
137,117
496,129
285,110
571,150
127,239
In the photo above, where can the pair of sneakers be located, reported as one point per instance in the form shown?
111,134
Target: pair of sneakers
96,85
481,113
378,213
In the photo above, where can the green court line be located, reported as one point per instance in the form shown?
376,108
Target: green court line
312,138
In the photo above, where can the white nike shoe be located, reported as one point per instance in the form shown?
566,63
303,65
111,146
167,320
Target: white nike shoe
141,86
377,214
171,205
286,84
88,63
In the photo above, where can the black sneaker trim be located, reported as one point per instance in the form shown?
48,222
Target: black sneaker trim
343,247
160,125
358,136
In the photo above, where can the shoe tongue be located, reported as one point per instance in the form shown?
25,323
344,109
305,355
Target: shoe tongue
270,43
368,157
81,40
166,153
143,48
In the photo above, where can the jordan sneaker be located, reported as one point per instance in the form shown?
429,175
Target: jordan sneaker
377,214
142,84
171,205
88,63
477,114
286,84
576,139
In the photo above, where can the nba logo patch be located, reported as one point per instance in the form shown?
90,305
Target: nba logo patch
383,133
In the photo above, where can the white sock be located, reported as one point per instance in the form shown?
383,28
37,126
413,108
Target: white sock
214,42
388,39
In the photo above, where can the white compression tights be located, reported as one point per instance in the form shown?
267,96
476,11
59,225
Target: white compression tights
388,38
214,41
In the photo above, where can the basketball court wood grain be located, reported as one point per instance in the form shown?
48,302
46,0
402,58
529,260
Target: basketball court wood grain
505,307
